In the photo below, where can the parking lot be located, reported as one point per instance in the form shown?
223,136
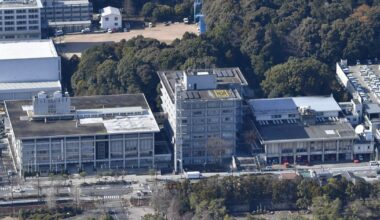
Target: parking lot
77,43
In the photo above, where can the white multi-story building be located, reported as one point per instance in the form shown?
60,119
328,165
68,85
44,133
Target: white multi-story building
27,67
110,18
204,109
56,133
66,15
308,130
20,19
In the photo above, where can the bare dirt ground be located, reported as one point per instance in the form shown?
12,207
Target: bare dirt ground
77,43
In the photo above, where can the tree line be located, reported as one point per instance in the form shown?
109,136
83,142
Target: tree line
216,197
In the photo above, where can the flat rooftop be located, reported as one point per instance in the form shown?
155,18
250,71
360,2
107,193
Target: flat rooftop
226,77
290,104
4,4
142,121
28,86
28,49
287,132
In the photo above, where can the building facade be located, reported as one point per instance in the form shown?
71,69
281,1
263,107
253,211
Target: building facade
204,109
56,133
28,67
20,19
66,15
110,18
307,130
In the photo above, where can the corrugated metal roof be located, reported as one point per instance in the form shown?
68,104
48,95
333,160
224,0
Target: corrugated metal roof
261,105
10,50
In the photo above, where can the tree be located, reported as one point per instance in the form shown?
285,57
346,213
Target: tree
306,191
298,76
325,209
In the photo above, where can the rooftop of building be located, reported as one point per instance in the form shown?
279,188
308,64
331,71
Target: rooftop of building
110,11
225,78
28,86
29,49
291,130
15,4
290,104
364,77
66,2
112,114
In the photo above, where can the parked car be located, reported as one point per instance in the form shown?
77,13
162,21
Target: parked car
373,164
58,33
86,30
110,30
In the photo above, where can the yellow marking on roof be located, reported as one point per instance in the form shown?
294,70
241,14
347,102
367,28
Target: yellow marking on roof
221,93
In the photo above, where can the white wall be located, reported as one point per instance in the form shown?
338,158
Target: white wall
111,23
30,70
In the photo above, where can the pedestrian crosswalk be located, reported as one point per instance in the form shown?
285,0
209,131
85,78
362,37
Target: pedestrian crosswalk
4,188
111,197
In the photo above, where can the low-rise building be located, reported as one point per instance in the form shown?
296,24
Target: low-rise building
306,130
20,20
110,18
66,15
56,133
28,67
204,109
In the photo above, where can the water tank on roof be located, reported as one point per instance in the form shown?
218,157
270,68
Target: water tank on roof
359,129
42,95
57,94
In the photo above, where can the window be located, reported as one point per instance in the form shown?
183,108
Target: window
33,22
7,12
276,116
21,28
116,24
33,10
106,19
9,29
9,23
21,22
33,28
116,18
21,11
8,17
33,16
21,16
292,115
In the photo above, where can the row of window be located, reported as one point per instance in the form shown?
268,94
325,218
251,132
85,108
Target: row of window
11,17
280,116
19,11
20,28
19,22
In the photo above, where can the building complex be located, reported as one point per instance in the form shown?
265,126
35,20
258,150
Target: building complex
307,130
20,19
56,132
204,109
28,67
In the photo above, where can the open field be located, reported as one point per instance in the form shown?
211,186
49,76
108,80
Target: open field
77,43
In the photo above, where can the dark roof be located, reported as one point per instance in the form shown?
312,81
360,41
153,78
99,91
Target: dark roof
318,131
29,129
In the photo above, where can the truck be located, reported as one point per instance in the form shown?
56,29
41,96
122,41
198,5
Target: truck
193,175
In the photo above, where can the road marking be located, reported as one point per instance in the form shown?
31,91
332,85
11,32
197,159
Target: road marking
4,188
68,189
